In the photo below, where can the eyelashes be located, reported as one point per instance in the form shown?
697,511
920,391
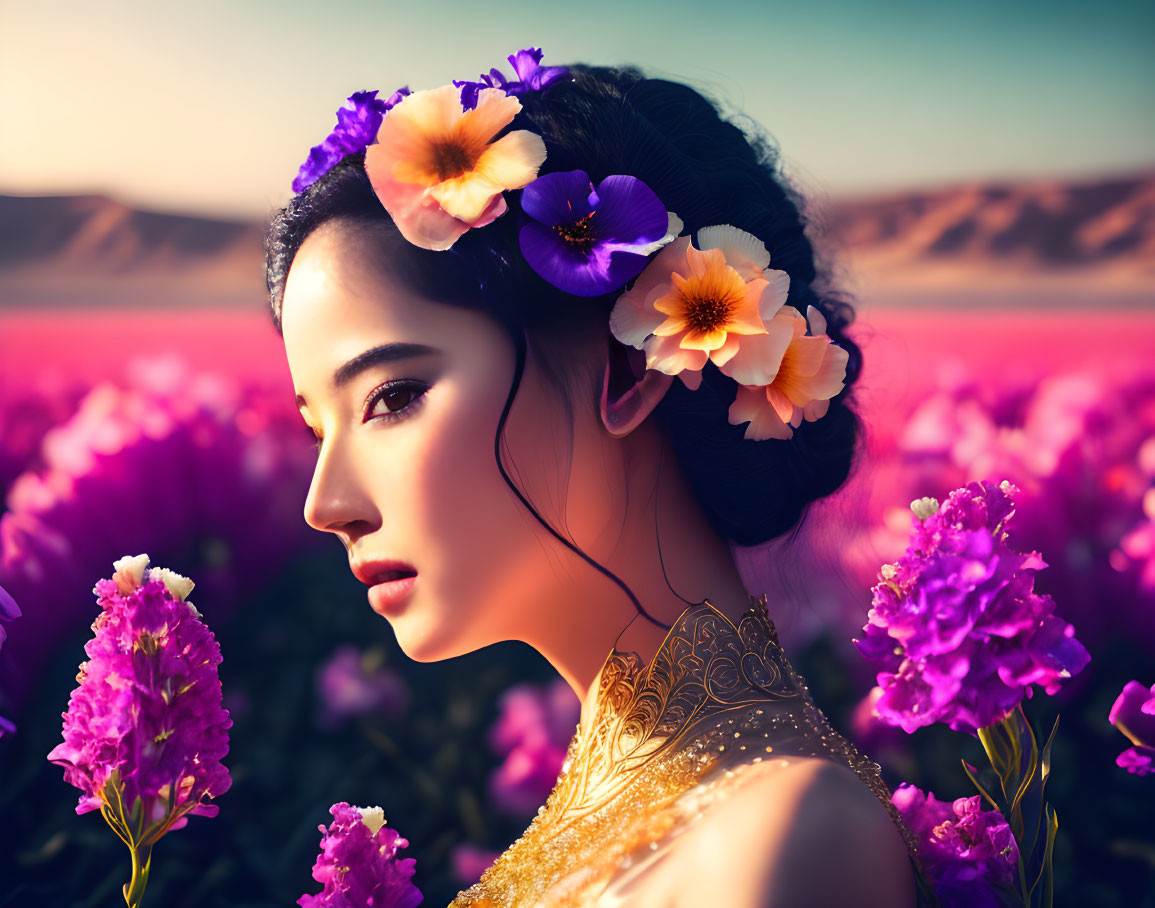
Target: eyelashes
389,392
381,392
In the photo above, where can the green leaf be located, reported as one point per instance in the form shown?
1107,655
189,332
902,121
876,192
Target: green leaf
970,771
1046,892
1047,755
1027,826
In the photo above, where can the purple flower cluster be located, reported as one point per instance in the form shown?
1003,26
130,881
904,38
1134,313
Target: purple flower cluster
1081,447
25,417
1133,713
8,610
358,864
353,684
588,241
147,713
532,733
529,75
356,129
967,853
186,464
955,624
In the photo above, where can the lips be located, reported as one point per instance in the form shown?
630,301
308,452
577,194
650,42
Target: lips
373,572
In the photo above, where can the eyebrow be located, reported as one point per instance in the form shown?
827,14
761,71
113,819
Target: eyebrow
383,353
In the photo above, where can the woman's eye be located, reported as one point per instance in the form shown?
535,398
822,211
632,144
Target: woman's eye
395,400
391,401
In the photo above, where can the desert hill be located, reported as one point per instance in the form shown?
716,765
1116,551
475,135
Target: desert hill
1093,236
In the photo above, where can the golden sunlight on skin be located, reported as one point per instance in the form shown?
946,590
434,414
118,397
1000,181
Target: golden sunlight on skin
425,489
799,832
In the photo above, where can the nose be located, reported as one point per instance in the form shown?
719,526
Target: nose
337,501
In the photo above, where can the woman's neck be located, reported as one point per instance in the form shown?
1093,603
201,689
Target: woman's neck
595,615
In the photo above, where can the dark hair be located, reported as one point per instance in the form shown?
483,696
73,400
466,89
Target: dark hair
615,121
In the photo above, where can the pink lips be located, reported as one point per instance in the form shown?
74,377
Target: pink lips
390,596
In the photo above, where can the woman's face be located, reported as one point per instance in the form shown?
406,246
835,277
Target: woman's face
406,469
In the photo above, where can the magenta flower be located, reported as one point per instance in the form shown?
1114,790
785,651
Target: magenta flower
529,75
8,610
955,624
589,241
25,416
353,684
469,862
532,733
356,129
1080,446
358,864
192,464
968,853
1133,713
145,731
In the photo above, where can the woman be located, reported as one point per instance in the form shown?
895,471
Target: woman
561,343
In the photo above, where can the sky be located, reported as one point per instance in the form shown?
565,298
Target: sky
210,107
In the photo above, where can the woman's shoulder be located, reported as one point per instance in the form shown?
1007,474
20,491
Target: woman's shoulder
796,832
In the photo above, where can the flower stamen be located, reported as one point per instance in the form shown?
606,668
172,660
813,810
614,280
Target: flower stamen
452,159
708,301
578,235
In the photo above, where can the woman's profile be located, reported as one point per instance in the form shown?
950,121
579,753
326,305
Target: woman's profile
563,342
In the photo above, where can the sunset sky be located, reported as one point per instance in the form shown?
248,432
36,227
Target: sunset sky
211,106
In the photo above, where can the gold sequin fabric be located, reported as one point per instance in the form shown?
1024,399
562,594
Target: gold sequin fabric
665,740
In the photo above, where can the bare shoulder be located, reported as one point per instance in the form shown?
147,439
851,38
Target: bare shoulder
794,835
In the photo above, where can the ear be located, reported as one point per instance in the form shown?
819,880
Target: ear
625,410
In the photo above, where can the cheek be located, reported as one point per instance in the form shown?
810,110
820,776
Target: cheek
483,550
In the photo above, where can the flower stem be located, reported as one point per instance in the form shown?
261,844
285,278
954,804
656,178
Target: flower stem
134,889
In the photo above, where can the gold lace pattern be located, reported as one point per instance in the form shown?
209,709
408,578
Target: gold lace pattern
664,742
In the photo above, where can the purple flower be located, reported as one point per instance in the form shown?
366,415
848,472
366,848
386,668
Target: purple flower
1078,496
187,463
26,416
8,610
1133,713
955,625
532,732
356,129
145,727
529,75
351,684
967,853
589,241
358,864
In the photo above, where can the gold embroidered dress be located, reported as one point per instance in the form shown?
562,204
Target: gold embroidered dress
664,742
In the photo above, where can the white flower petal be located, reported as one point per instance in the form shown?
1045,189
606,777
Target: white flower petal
177,584
129,572
816,320
924,507
373,817
774,296
631,321
744,252
673,230
759,356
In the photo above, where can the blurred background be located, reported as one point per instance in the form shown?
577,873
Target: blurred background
980,178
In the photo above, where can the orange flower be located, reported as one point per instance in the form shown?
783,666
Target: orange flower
813,370
689,305
436,169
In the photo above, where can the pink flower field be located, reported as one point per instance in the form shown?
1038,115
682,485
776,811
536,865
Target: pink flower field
125,429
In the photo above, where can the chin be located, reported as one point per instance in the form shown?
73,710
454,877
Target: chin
423,642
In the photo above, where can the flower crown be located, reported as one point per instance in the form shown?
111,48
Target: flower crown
437,165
